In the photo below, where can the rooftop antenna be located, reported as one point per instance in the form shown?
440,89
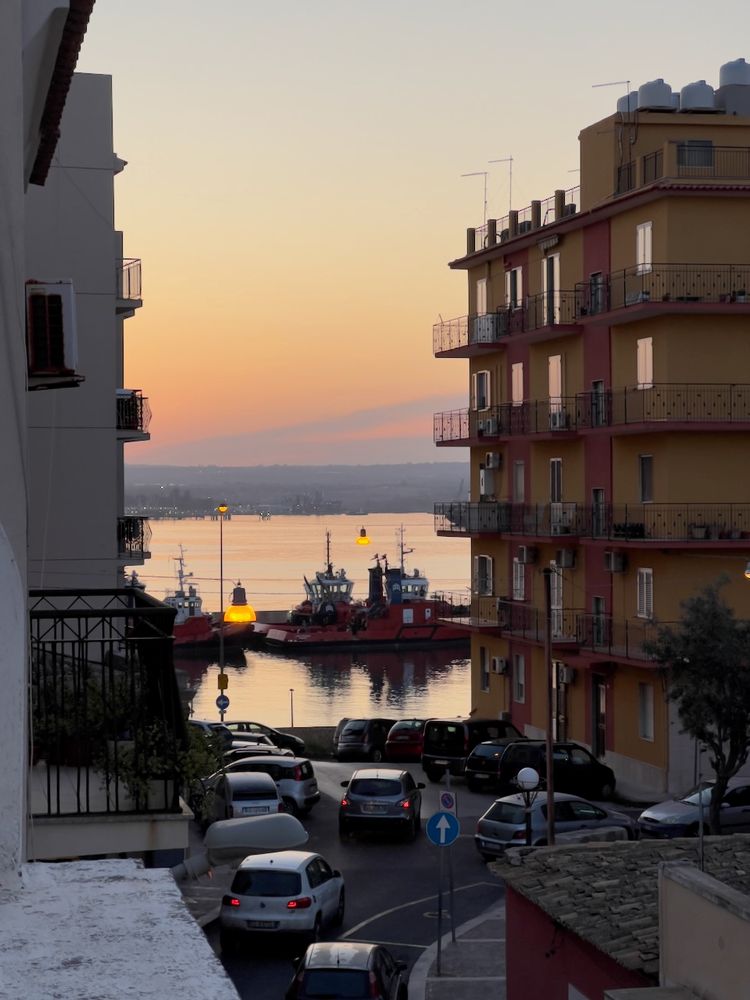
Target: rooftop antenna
616,83
509,161
481,173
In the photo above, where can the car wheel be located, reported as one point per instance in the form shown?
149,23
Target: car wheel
607,790
291,807
338,918
415,827
433,775
486,857
376,756
317,930
228,942
472,785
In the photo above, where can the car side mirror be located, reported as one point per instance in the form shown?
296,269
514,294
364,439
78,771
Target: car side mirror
336,873
344,784
421,784
725,804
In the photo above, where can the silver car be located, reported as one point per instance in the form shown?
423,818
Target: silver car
504,823
381,798
681,817
294,777
232,796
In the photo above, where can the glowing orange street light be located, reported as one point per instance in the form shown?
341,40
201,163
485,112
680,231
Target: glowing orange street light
362,538
239,611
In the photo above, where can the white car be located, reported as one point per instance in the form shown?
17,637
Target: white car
285,892
232,796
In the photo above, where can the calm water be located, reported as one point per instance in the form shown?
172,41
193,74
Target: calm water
270,558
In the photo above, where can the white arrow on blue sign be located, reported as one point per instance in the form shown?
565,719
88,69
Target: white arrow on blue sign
222,703
442,828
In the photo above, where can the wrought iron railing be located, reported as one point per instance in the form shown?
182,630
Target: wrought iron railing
133,535
133,411
503,517
128,278
668,522
679,283
662,403
615,636
713,162
106,722
571,205
625,177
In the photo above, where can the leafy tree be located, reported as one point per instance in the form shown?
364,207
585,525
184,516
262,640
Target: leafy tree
707,663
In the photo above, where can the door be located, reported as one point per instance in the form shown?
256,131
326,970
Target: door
598,514
598,404
556,600
599,715
555,496
551,289
735,810
597,622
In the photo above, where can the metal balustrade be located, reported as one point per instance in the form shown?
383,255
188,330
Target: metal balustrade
503,517
133,536
128,278
133,411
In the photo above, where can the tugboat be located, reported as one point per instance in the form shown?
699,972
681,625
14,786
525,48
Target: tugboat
192,626
398,611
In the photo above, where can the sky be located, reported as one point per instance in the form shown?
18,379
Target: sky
294,190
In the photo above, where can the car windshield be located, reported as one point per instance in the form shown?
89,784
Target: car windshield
244,792
487,750
336,983
411,724
249,882
693,799
443,736
375,787
355,726
506,812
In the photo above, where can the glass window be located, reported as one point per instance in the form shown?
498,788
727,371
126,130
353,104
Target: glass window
519,581
554,381
481,296
484,668
645,599
585,810
551,289
695,153
645,362
480,390
506,812
646,711
643,255
516,383
513,288
579,757
375,787
519,678
596,292
483,583
555,480
251,882
339,982
646,477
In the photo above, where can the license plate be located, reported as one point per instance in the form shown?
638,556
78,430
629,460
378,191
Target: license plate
254,810
481,774
261,924
443,763
373,808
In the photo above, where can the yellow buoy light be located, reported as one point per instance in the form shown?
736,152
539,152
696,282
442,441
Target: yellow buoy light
239,611
362,538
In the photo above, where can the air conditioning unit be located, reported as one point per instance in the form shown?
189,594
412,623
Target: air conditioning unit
527,554
614,562
493,460
487,426
524,227
486,483
499,665
558,420
565,558
566,675
51,339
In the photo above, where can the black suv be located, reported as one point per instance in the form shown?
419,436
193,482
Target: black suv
495,764
448,742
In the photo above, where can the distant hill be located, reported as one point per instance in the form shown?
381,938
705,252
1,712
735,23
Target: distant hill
312,489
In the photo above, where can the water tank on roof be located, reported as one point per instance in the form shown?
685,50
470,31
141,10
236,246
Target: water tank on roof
628,103
655,96
734,73
698,96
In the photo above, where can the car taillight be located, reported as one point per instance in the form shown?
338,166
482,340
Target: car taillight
298,773
344,803
405,804
374,991
230,901
303,903
282,808
519,835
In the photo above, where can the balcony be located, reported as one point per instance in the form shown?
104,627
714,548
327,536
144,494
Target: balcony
685,161
505,518
619,638
128,286
133,538
468,336
661,406
133,415
519,222
107,723
722,525
656,289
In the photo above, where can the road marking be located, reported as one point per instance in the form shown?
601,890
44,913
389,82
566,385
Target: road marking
397,944
413,902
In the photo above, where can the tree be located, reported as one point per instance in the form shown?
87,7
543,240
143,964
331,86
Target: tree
706,660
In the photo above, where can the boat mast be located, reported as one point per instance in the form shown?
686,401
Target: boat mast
328,553
402,551
181,574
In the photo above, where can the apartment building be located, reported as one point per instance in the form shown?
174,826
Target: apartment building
608,420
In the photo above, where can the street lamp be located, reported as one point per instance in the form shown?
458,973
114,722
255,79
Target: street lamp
527,780
362,538
221,511
547,575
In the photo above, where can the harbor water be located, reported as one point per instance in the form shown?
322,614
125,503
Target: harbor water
270,558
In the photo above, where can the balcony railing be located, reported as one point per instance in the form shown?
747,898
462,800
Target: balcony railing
664,403
615,637
669,522
107,725
128,278
524,220
664,283
503,517
133,411
133,536
548,309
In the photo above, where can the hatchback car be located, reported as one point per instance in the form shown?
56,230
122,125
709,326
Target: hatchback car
496,763
246,748
405,740
213,731
294,777
363,739
504,823
681,817
448,742
381,799
231,796
348,970
293,892
251,730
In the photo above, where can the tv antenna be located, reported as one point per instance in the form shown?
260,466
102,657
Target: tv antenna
616,83
481,173
509,161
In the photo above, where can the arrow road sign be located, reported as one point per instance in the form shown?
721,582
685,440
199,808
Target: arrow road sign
222,703
442,829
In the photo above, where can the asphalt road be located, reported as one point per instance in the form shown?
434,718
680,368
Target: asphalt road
391,886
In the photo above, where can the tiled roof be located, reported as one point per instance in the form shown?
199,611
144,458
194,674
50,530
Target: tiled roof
608,894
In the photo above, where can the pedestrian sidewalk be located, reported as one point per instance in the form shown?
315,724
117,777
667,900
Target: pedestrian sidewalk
472,966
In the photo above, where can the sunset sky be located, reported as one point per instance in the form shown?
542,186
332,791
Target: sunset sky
294,190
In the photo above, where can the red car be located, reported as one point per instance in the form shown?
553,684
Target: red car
405,740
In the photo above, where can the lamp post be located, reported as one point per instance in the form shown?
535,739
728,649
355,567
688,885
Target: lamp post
527,780
291,707
547,575
221,511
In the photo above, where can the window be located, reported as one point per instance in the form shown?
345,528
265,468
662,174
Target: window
483,575
513,288
555,480
556,600
519,678
554,382
519,581
596,292
645,362
598,405
645,593
646,477
519,482
551,289
484,669
516,383
480,390
643,253
481,304
695,153
646,711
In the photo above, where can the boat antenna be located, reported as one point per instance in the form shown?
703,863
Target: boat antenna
402,549
329,564
181,574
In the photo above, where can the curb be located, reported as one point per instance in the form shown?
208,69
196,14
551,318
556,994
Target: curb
421,968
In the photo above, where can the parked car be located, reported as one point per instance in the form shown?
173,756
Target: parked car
495,764
243,730
215,730
294,777
260,741
348,970
233,795
681,817
282,892
448,742
337,732
405,740
503,825
245,750
363,739
381,799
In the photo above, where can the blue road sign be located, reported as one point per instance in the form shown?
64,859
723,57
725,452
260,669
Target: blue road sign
222,703
442,829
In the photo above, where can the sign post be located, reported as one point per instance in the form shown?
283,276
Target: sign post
442,830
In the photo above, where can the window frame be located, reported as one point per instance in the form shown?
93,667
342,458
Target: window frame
484,669
645,593
484,575
519,678
644,247
519,580
646,478
516,383
478,379
644,362
646,717
514,288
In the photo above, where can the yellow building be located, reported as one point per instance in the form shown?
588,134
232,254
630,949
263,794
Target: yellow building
608,419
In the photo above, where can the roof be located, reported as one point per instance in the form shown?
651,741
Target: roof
287,860
346,954
608,895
